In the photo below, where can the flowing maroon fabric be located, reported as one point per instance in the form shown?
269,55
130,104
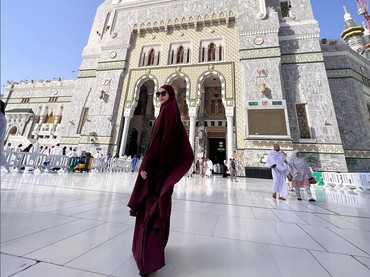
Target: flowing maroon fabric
166,160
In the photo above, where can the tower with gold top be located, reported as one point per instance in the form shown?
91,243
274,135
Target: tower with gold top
353,34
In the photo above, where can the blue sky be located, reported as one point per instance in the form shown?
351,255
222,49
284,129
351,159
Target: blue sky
44,39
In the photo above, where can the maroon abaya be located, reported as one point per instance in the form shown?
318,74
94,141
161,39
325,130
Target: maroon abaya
166,160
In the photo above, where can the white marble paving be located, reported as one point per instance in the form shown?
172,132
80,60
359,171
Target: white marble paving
333,242
78,225
12,264
303,264
339,265
75,246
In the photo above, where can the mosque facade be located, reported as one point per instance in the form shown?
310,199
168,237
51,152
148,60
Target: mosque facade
247,74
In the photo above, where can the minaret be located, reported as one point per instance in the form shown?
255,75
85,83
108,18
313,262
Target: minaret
366,41
353,33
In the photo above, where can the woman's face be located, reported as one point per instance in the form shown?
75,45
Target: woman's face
163,99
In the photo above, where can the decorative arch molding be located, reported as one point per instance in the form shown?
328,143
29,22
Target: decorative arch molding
217,74
183,76
184,22
131,106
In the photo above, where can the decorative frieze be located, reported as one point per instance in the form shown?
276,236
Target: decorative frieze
259,32
302,58
115,65
289,145
185,22
357,154
347,73
37,100
299,37
69,140
267,144
89,73
320,148
260,53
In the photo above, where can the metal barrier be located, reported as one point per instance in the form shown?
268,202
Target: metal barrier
332,179
98,165
351,182
56,162
365,180
26,160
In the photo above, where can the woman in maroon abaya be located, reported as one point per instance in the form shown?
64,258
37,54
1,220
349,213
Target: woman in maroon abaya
166,160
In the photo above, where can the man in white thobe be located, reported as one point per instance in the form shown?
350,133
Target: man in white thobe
277,163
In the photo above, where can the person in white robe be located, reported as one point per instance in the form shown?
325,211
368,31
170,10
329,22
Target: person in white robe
279,168
209,168
57,150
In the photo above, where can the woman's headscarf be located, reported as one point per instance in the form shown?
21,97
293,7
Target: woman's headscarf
299,167
170,91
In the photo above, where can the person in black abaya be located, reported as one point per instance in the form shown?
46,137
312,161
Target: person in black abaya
167,158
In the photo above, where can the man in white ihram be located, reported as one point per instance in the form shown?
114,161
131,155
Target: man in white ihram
277,163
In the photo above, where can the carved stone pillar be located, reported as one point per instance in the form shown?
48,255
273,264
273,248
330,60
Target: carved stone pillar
230,146
192,131
229,112
128,115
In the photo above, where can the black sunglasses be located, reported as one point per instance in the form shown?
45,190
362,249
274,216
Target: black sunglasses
159,93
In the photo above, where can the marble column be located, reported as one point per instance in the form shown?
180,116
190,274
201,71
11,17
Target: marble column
124,135
192,131
230,147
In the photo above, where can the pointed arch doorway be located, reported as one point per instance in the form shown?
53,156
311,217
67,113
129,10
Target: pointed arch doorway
141,123
212,121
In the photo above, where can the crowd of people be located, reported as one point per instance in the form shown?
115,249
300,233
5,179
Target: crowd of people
47,150
206,168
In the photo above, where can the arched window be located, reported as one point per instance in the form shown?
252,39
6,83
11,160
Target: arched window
211,52
188,56
180,55
151,57
203,54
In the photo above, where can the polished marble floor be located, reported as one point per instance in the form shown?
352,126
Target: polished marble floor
78,225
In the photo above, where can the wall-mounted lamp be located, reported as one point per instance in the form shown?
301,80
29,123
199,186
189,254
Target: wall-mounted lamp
102,94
